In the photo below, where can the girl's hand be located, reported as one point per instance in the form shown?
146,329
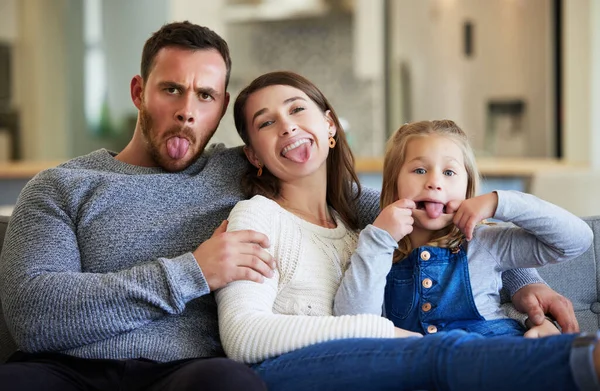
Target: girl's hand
401,333
397,218
545,329
471,211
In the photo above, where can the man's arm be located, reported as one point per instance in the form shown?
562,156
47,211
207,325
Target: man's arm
51,304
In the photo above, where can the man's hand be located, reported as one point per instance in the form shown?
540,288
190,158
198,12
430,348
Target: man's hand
232,256
396,219
546,329
539,299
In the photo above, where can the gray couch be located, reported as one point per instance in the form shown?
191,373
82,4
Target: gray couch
578,280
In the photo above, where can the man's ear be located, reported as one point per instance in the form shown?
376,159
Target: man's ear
332,129
225,104
136,88
251,156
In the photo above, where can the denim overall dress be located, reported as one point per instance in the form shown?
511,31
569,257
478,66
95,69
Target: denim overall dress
430,291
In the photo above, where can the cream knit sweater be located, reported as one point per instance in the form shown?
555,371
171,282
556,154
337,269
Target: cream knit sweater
294,308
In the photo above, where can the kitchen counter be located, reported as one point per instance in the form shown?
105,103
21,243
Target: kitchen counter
489,167
492,167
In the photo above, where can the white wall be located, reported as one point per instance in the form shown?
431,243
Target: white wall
512,53
8,20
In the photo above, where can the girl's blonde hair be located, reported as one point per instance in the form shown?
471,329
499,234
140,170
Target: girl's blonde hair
395,155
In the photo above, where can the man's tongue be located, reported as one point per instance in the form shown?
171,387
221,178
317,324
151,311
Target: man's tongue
434,209
177,147
299,154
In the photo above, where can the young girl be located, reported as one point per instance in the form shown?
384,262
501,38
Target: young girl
446,265
303,175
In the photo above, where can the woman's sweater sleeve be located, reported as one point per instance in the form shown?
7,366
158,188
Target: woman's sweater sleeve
250,329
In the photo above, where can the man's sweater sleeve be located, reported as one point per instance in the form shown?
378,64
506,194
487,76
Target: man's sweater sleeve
51,305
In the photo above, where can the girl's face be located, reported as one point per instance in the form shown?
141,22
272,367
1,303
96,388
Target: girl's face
288,132
433,174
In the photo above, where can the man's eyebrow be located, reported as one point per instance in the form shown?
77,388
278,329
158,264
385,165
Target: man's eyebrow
288,100
200,90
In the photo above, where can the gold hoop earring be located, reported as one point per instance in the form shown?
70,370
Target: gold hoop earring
332,142
259,173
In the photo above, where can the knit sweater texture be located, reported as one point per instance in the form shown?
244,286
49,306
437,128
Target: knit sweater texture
97,260
294,308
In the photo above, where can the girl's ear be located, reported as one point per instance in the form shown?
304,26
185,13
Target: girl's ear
331,128
251,156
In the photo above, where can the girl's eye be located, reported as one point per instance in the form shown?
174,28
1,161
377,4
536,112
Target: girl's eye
420,171
449,173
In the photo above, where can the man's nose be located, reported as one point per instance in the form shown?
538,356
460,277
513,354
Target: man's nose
185,114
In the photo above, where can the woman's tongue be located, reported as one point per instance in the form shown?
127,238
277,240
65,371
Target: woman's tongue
300,154
434,209
177,147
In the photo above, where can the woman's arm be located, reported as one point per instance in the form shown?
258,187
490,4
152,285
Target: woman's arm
251,330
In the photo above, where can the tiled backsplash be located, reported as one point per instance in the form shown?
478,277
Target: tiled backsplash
317,48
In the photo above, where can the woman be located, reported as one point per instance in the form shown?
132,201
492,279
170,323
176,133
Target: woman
304,202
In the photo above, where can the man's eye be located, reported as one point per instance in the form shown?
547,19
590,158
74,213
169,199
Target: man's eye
205,96
420,171
449,173
172,90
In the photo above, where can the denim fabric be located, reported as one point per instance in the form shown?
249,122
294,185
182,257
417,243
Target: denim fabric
431,288
453,360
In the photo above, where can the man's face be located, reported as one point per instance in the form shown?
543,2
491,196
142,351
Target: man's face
181,105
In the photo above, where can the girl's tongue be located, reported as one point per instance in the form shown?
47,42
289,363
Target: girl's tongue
434,209
300,154
177,147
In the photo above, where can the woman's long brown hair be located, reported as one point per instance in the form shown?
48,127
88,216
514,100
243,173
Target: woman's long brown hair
343,188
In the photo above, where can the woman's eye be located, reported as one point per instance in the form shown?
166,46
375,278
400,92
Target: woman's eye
297,109
420,171
449,173
263,124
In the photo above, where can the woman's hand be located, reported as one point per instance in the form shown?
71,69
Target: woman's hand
401,333
468,213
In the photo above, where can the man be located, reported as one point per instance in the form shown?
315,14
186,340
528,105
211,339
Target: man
109,259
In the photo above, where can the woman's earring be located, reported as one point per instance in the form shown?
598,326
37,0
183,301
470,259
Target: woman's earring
260,166
332,142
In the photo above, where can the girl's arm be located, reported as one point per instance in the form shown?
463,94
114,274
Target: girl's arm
363,284
544,233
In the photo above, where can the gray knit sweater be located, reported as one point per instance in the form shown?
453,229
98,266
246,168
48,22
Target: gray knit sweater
98,260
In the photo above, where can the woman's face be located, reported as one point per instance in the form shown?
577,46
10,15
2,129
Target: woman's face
288,132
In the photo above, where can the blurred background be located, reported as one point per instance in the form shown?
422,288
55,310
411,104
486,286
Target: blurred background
521,77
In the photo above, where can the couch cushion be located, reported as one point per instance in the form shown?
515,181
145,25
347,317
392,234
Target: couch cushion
7,344
578,280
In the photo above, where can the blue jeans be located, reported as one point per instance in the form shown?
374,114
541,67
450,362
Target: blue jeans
454,360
